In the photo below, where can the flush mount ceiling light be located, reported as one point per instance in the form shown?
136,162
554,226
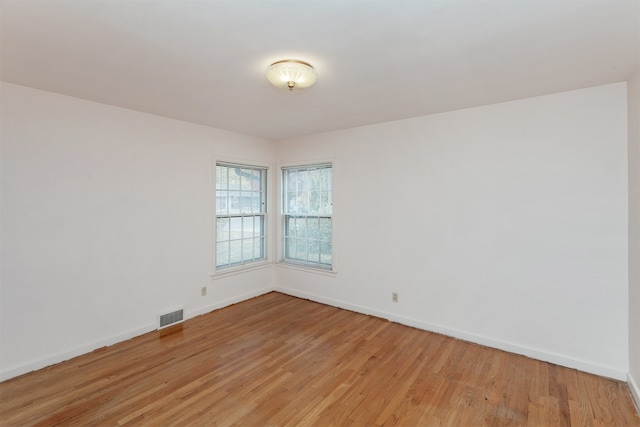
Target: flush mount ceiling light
290,74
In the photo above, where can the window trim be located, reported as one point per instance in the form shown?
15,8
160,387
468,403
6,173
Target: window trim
301,265
222,271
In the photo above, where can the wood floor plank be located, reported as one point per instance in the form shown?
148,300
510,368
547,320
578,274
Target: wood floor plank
277,360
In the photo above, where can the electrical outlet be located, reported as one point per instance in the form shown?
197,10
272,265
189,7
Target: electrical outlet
203,291
394,296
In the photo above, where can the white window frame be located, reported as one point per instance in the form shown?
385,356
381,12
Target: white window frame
287,215
250,263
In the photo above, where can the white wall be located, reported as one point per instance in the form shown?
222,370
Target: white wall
504,224
106,220
633,89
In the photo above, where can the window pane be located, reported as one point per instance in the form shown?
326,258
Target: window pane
302,204
325,254
301,250
222,229
293,180
221,178
222,202
325,203
313,248
301,228
258,245
256,202
291,206
235,228
312,228
222,253
289,227
245,202
234,178
247,227
235,251
324,229
290,248
234,202
247,250
260,224
245,179
314,202
256,181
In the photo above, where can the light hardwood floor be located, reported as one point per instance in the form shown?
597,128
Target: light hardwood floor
279,360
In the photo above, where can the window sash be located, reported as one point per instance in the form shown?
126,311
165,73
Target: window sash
308,240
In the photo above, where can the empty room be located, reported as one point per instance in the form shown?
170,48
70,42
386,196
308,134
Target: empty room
252,213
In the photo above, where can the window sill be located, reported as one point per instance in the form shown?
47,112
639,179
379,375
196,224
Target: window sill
300,267
232,271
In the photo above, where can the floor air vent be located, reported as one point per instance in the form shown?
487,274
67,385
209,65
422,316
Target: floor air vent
171,318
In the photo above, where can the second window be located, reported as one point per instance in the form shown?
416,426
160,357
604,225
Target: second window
308,215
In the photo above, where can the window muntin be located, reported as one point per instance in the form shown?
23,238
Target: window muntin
308,215
240,214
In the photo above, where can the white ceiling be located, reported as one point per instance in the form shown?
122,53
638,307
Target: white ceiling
204,61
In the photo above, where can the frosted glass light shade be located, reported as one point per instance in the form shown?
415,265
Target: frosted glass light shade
291,74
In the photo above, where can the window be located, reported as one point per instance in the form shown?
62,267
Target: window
240,214
308,209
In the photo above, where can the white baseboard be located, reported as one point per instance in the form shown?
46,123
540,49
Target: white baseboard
634,388
84,349
479,339
78,351
545,356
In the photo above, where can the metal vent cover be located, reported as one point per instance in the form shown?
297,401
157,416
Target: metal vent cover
170,318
